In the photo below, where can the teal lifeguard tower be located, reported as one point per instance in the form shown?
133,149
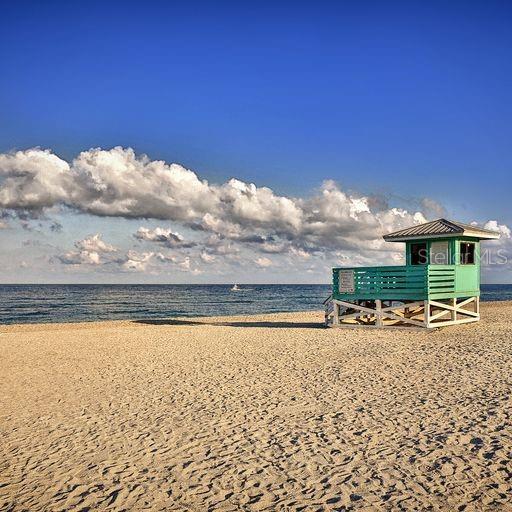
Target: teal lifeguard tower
439,284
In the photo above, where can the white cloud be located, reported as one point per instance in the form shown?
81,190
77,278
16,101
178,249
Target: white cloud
112,182
89,251
117,182
165,257
207,258
150,261
34,179
496,255
246,204
263,262
164,236
216,225
95,243
185,264
137,261
274,247
234,221
80,258
504,230
300,253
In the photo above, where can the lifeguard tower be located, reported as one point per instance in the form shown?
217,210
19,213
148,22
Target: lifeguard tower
439,284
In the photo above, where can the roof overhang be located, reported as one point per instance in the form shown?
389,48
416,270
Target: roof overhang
468,234
439,229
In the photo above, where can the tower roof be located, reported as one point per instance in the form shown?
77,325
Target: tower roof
440,228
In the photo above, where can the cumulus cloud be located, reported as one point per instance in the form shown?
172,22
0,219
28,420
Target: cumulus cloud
206,257
136,261
217,244
496,255
263,262
96,244
213,224
89,251
247,205
166,257
272,247
34,179
93,251
185,264
300,253
80,258
109,183
225,218
117,182
163,236
502,229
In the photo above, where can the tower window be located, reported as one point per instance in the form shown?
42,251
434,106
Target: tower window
419,254
467,253
439,253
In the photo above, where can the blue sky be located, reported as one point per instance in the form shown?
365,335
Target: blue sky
402,100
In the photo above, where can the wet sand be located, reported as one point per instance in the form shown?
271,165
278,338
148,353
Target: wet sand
270,412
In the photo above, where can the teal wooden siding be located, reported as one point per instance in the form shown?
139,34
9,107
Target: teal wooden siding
417,282
410,282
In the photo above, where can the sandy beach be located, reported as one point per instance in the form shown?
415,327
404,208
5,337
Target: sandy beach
268,412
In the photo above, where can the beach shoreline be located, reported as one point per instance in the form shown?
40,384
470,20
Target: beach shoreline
259,412
34,304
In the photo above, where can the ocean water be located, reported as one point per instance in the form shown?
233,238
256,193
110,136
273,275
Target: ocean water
81,303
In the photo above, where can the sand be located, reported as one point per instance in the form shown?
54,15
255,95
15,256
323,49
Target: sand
256,413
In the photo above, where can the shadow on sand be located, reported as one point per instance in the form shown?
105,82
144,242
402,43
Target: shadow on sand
275,325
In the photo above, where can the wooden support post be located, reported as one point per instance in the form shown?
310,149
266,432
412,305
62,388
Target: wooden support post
336,316
454,310
426,315
378,314
423,314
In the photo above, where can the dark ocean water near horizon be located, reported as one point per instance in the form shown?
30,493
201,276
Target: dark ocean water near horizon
89,302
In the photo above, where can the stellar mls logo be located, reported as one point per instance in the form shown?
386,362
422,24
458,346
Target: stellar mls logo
486,257
489,257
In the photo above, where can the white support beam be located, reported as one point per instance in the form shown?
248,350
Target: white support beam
419,303
465,301
336,318
442,313
427,314
353,305
378,306
453,312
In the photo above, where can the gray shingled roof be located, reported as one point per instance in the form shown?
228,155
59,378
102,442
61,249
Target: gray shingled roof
440,227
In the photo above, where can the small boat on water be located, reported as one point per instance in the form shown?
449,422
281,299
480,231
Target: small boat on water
235,288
